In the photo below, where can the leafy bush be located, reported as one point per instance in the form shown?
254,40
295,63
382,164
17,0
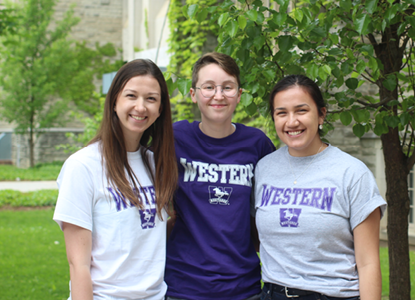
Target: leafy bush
19,199
45,171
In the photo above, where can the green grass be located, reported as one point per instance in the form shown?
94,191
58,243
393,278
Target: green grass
33,262
49,171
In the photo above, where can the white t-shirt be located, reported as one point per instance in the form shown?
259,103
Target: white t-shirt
128,244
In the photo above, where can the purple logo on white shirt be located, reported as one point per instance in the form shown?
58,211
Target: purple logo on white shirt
148,218
289,217
219,195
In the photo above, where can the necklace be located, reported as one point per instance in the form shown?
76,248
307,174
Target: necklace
289,161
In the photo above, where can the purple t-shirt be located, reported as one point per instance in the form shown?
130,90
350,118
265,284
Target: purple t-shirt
210,254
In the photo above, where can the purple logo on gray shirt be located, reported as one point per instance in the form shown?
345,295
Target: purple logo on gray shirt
147,218
219,195
289,217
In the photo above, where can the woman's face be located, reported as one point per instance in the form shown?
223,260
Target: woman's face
296,120
137,108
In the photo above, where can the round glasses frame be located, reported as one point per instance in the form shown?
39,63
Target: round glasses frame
206,92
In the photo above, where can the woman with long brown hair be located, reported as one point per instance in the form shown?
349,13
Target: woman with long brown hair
113,193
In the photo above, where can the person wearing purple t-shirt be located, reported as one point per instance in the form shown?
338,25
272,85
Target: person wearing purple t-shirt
210,253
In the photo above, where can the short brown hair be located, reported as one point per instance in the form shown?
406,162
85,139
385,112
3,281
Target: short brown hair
224,61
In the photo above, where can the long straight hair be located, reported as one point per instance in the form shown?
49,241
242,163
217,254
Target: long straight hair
158,138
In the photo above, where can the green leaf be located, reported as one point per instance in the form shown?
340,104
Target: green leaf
405,117
280,18
352,83
367,50
285,43
373,64
185,8
171,85
371,6
390,82
192,10
232,28
324,72
362,23
242,22
201,16
359,130
184,85
335,51
391,12
246,99
345,118
298,14
380,129
312,71
223,19
361,115
392,121
360,66
252,15
251,109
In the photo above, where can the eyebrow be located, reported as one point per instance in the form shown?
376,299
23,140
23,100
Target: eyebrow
134,91
297,106
226,81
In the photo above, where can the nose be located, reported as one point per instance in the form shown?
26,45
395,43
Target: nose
292,120
218,92
139,105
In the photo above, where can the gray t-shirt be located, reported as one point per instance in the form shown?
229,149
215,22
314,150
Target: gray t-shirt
306,229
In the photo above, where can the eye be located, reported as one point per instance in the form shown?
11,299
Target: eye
152,98
208,87
228,88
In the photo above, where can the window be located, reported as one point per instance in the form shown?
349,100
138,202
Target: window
411,191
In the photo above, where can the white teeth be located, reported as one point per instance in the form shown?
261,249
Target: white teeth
293,132
138,118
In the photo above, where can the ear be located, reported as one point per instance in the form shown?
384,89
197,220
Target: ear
321,118
239,95
193,95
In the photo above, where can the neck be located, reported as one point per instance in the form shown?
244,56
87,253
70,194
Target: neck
217,131
313,149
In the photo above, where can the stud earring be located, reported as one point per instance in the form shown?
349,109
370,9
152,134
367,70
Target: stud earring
320,126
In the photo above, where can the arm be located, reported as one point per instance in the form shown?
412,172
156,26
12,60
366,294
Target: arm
366,240
78,242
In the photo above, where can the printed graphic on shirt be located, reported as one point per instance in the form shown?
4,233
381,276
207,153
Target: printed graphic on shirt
147,194
219,195
289,217
217,173
147,218
321,198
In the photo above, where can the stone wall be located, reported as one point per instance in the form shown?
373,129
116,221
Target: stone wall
46,147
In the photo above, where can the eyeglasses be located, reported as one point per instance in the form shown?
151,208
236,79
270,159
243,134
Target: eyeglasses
208,90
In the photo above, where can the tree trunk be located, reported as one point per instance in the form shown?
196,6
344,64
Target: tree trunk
398,210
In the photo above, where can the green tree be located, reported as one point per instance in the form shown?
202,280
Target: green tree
43,70
343,45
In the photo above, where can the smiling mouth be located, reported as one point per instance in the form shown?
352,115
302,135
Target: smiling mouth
294,132
138,118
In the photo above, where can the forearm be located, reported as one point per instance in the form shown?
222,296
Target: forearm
81,284
370,282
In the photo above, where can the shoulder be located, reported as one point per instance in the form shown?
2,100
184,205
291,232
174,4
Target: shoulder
181,125
344,160
88,154
255,136
271,158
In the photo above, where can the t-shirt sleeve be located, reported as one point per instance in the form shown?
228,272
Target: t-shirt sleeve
76,192
267,146
364,199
